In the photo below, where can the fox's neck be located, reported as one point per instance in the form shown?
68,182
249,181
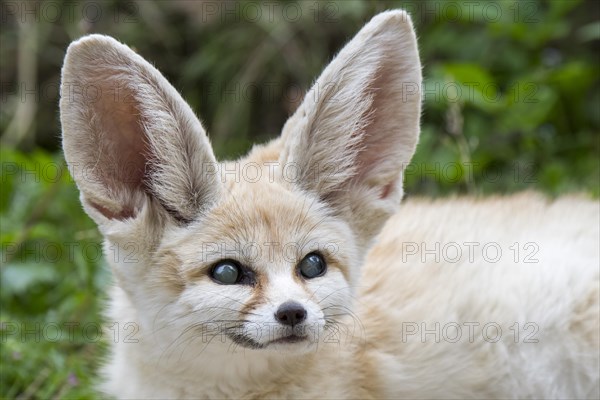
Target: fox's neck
219,371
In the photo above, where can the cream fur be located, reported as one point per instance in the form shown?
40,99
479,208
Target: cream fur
148,177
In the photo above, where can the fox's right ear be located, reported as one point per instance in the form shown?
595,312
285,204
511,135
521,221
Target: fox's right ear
128,136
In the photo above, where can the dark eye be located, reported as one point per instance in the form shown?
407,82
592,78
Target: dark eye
226,272
312,266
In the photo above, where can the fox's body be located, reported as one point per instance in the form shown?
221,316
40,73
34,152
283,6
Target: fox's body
549,296
546,305
276,286
391,354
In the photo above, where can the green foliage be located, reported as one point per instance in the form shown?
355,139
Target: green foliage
52,274
508,102
511,102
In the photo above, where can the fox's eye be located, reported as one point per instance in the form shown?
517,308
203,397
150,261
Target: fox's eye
226,272
312,266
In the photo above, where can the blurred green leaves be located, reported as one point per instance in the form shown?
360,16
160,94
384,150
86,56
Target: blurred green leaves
523,84
51,274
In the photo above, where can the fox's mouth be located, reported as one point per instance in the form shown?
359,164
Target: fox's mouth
245,341
248,342
289,339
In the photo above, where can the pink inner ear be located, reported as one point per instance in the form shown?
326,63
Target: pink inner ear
388,137
122,150
387,189
124,213
125,139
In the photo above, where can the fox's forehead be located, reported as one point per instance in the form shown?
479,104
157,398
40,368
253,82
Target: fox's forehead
261,165
258,203
269,209
264,224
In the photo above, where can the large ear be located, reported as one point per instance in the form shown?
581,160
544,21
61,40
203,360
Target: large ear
359,124
129,138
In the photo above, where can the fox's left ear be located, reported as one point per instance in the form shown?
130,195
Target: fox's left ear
359,124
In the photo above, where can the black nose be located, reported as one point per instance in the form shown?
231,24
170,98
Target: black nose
290,313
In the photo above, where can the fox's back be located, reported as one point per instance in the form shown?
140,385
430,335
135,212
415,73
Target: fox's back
478,286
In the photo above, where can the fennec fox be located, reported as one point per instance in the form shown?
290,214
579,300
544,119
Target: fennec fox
294,272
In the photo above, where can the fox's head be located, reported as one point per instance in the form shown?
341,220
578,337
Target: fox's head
263,252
